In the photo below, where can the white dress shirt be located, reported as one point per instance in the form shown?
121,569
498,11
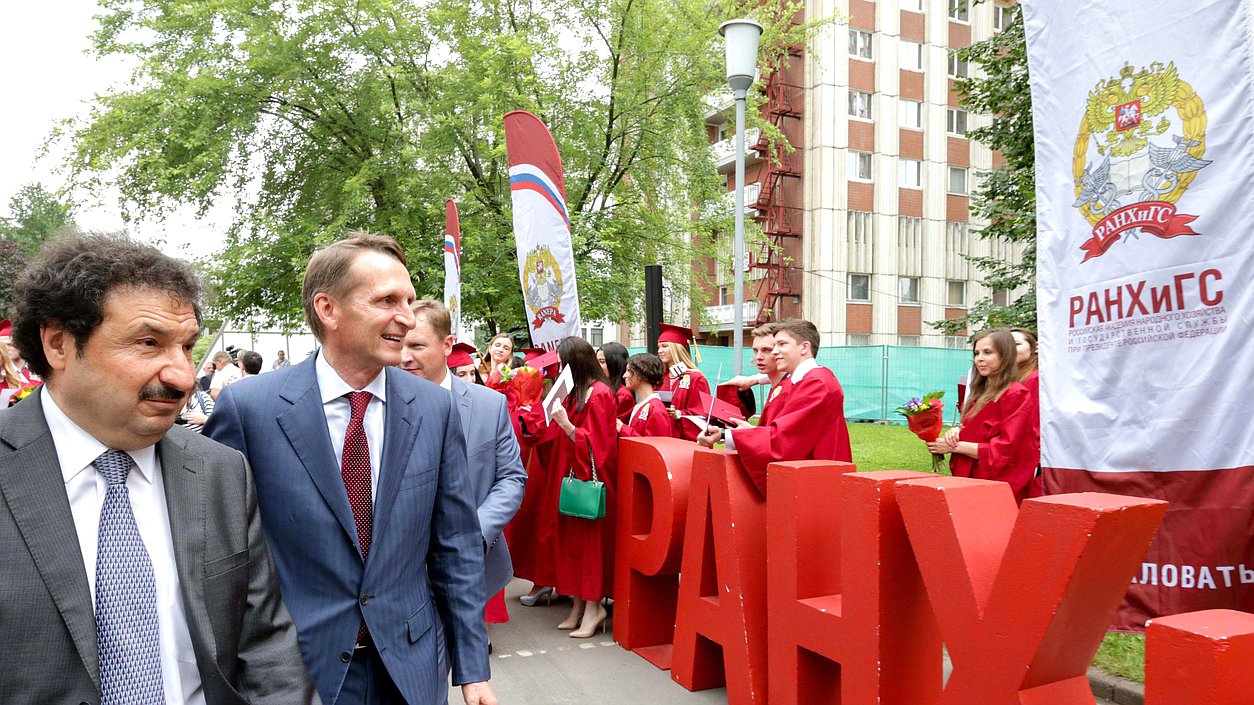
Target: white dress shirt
338,412
85,486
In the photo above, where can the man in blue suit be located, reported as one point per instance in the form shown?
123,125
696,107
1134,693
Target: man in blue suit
364,495
496,471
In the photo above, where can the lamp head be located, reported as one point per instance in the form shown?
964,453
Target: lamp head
742,53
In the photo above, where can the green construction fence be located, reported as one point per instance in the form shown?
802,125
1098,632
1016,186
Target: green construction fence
876,378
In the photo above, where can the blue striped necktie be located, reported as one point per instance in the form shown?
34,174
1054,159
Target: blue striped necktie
126,597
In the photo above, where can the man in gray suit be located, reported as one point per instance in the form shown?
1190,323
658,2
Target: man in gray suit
496,470
132,561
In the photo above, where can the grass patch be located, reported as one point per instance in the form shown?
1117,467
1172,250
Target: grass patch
877,447
1122,655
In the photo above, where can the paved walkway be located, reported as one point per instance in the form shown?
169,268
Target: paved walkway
535,664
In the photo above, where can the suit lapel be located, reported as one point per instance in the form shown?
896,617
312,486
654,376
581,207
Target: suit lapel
402,419
463,405
30,479
305,426
184,497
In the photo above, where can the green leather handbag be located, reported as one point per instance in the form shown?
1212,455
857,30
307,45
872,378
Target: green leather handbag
584,499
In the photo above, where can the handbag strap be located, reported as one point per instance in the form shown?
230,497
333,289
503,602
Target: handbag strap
570,472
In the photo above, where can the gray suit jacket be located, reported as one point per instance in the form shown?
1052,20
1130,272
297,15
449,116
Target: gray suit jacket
243,636
496,473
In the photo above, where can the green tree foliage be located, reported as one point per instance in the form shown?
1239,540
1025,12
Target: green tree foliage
321,116
1006,196
12,261
35,214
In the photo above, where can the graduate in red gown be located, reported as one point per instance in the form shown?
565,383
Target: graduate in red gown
532,534
585,431
808,424
613,360
684,381
768,372
648,415
995,440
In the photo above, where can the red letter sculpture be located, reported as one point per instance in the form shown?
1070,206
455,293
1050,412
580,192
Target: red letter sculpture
1200,658
849,620
720,631
653,477
1023,598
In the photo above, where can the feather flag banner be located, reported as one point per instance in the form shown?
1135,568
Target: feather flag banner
546,264
453,267
1144,134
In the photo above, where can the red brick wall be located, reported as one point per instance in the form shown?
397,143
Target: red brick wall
909,320
959,34
858,318
862,75
911,144
958,151
862,15
912,26
861,196
957,208
910,202
861,136
911,85
955,313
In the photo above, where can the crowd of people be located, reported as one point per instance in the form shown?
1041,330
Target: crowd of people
350,533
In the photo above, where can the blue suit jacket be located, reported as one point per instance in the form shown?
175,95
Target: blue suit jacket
426,553
497,477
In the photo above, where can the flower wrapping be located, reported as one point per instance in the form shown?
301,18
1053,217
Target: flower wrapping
925,419
526,386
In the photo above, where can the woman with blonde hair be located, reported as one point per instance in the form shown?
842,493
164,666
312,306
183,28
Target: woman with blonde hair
683,380
500,351
995,440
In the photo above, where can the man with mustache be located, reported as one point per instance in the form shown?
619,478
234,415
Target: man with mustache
132,562
365,497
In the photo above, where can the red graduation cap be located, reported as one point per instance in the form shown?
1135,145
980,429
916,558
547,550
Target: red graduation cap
721,410
674,334
460,355
732,395
6,328
543,360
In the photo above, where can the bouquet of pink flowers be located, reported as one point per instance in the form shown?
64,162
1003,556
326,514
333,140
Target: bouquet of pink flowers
925,417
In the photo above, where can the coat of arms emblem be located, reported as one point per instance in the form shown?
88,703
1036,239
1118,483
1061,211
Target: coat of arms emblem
1139,148
542,286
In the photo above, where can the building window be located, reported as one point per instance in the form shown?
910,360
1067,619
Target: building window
908,290
956,342
958,180
1001,16
912,5
860,44
598,337
908,341
957,67
860,104
910,55
859,165
910,114
857,339
956,293
859,287
958,10
956,121
1001,297
910,173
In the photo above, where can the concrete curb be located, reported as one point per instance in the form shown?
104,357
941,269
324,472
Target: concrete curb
1114,689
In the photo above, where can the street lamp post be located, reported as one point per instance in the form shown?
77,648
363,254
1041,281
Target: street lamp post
742,62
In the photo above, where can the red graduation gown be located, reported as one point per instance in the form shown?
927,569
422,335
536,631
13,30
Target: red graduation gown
774,401
1009,451
532,533
809,424
585,559
688,389
650,419
626,401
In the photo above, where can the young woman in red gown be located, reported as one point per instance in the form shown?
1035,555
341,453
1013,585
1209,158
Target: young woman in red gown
995,440
648,415
684,381
584,429
532,534
613,360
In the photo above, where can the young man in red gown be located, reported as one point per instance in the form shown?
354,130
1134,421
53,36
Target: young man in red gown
809,423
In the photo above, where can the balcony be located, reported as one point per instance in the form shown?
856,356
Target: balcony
722,317
724,151
726,204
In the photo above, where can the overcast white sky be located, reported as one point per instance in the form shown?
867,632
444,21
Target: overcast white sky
48,77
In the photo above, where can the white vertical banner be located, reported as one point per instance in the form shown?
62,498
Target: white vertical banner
546,262
1144,119
453,267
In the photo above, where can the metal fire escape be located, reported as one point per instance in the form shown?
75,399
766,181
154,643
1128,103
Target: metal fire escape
779,222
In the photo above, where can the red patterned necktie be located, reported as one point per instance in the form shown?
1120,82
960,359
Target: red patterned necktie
355,467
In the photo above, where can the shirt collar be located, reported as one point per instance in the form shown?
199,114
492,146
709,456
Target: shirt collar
77,449
331,386
641,403
802,368
447,382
